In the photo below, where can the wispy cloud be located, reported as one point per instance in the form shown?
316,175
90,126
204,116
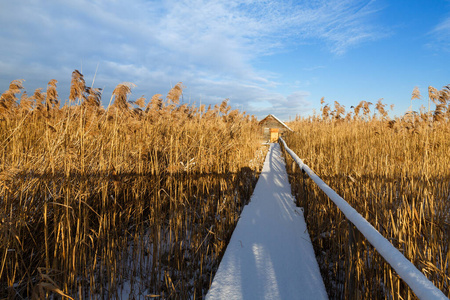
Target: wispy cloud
209,45
340,24
444,27
441,35
314,68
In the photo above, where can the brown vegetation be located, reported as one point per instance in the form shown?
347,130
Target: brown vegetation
96,200
394,173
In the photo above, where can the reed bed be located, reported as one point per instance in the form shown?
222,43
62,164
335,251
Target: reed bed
135,200
395,173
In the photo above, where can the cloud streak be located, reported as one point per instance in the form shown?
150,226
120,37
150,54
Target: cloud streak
441,35
209,45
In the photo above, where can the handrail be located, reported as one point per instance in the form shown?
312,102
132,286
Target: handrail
419,283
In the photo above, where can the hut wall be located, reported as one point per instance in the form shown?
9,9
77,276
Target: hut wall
269,123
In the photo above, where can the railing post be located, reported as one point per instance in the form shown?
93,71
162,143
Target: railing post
351,289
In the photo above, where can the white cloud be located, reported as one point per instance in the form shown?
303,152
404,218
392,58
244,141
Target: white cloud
441,35
444,27
209,45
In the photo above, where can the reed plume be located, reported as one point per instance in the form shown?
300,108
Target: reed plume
175,93
77,87
121,93
51,100
8,100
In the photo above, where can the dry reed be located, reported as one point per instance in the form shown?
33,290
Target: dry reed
118,202
393,172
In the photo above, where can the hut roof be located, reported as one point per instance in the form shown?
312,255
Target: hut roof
276,119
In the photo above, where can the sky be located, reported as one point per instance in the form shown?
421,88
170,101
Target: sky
267,57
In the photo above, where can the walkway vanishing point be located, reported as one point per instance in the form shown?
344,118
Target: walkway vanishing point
270,255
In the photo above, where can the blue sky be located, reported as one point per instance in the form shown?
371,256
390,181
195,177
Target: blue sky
276,57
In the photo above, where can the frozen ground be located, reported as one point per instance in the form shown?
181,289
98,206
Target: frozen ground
270,255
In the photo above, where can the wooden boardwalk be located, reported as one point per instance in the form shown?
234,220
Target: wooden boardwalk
270,255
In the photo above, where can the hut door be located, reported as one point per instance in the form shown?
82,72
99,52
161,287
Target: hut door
273,135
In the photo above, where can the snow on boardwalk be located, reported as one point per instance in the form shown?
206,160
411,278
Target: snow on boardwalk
270,255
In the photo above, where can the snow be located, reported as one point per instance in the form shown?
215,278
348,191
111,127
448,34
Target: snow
270,255
422,287
281,122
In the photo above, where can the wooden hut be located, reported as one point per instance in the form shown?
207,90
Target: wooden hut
272,128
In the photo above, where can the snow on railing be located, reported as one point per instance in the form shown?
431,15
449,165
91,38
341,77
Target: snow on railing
422,287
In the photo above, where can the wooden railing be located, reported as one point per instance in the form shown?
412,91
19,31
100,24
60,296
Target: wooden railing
358,225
